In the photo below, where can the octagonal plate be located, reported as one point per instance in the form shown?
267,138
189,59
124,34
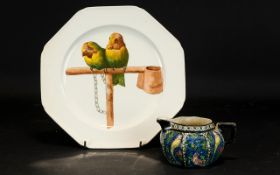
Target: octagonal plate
69,100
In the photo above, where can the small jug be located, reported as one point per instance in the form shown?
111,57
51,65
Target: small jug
194,141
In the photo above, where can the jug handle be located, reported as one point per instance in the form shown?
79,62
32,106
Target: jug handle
232,129
164,124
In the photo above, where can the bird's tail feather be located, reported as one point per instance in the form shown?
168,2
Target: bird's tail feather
118,79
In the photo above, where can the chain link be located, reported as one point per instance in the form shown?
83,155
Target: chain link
103,78
96,100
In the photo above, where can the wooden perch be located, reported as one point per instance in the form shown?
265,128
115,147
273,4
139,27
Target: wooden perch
152,82
86,70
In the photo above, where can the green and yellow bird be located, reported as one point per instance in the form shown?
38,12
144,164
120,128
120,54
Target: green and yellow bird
116,55
94,55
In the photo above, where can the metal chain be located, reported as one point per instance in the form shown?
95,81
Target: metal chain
103,78
96,100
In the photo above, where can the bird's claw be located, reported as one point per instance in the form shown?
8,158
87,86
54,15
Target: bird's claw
124,69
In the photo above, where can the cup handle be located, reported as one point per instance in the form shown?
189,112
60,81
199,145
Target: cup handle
231,127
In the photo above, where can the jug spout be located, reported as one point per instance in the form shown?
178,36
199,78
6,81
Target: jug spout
164,123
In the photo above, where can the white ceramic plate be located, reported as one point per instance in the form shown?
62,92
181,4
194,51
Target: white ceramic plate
69,100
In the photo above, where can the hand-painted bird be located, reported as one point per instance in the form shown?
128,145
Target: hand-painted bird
117,56
94,55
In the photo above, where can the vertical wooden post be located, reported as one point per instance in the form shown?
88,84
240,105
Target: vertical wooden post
109,100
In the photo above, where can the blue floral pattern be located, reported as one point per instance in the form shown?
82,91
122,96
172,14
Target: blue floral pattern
191,149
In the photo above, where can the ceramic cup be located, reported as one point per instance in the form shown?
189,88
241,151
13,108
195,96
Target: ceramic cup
150,80
194,141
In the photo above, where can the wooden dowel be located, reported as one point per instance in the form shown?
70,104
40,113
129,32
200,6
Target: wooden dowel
109,100
86,70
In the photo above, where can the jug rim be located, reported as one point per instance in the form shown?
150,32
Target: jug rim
191,124
191,121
